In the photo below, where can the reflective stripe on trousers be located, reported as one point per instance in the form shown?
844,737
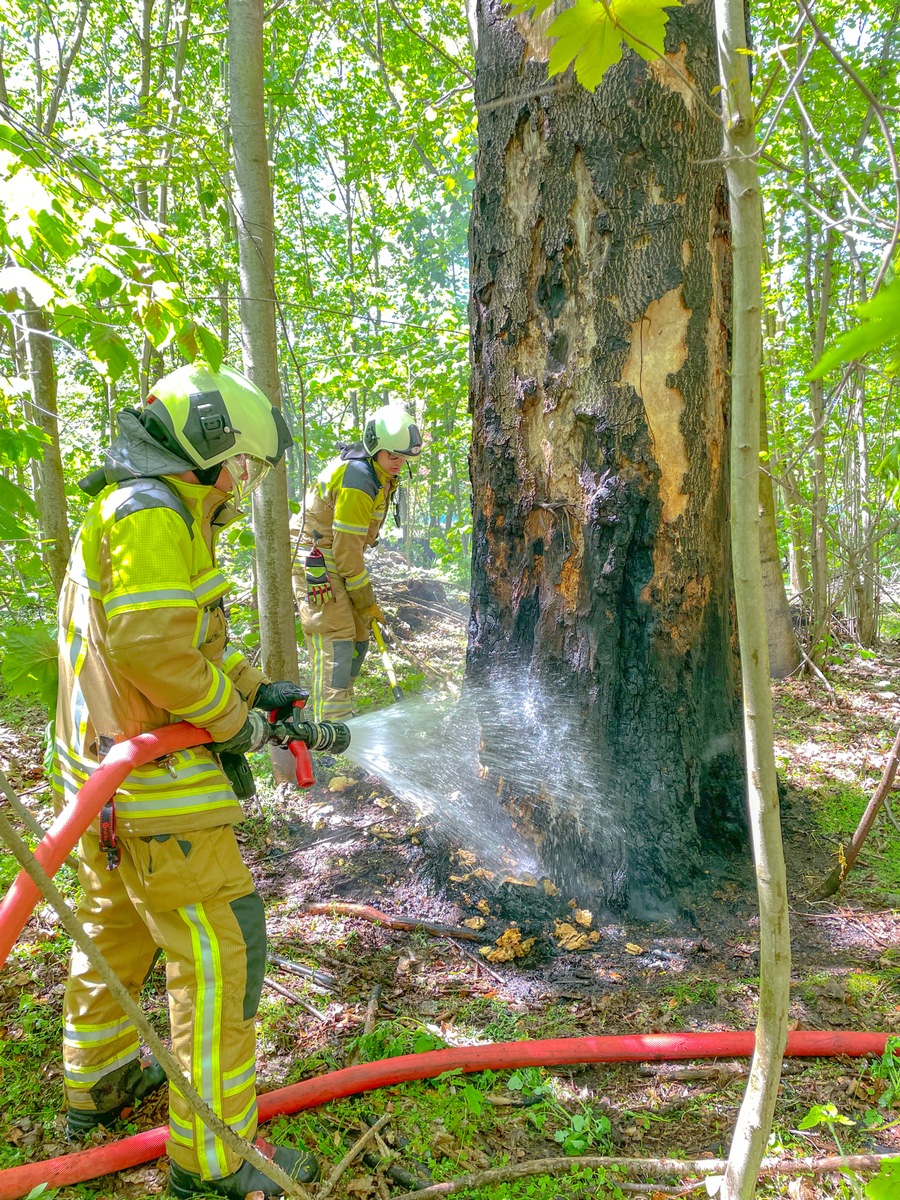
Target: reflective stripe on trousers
336,641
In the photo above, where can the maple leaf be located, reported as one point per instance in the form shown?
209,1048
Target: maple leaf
591,34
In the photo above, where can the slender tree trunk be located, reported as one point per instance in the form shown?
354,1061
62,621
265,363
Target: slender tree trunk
818,303
784,652
184,25
601,576
794,507
798,569
758,1107
865,576
69,55
50,489
255,219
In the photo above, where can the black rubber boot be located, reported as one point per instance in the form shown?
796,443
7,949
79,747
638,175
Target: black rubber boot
299,1164
115,1096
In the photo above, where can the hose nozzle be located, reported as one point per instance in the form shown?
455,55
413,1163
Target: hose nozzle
322,735
316,735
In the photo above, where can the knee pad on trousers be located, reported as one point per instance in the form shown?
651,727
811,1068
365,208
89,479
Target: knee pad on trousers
250,915
360,651
341,664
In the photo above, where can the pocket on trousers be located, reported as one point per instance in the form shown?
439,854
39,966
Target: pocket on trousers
191,868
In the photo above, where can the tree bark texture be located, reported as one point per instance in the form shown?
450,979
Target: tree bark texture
601,569
256,245
50,488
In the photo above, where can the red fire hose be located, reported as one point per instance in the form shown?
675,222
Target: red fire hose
653,1047
18,903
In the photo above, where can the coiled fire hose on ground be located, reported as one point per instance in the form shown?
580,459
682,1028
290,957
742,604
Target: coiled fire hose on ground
74,1168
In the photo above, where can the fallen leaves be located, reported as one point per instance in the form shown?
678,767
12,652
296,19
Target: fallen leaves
571,938
509,945
340,783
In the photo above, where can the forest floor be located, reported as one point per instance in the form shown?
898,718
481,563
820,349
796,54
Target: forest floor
392,991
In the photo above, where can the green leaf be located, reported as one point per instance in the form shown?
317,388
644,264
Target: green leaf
591,34
30,665
157,324
474,1099
879,329
523,6
22,443
584,32
14,501
103,282
41,1191
886,1184
55,234
823,1114
643,24
109,352
16,279
211,349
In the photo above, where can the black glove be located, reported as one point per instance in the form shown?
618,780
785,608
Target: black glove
272,696
251,735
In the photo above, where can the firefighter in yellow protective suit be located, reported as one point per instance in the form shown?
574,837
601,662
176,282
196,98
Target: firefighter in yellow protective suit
344,515
143,643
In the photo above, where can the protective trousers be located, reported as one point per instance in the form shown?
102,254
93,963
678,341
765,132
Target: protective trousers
337,640
190,895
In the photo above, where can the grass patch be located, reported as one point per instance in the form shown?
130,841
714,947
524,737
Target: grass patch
444,1126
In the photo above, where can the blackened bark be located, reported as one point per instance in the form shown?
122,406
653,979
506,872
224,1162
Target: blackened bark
601,568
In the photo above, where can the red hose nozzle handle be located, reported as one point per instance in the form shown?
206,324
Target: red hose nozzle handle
299,749
305,776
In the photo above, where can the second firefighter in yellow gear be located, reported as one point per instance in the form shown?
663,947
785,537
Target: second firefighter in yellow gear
344,515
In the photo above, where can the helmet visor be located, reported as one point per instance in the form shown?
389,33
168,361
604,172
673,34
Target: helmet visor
414,445
247,473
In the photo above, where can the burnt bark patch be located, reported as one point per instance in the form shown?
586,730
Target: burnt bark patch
601,568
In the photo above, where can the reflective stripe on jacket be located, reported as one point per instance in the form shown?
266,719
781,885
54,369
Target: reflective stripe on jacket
344,514
143,643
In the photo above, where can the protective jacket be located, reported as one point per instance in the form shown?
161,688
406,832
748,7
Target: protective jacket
143,639
344,515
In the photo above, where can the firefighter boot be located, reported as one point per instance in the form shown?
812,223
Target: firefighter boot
115,1096
299,1164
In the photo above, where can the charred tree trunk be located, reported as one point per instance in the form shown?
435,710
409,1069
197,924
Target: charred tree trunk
601,566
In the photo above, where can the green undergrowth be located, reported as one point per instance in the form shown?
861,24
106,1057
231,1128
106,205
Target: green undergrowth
458,1123
836,809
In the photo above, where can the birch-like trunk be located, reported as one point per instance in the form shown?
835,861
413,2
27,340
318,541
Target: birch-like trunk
256,245
758,1107
818,304
50,487
784,651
